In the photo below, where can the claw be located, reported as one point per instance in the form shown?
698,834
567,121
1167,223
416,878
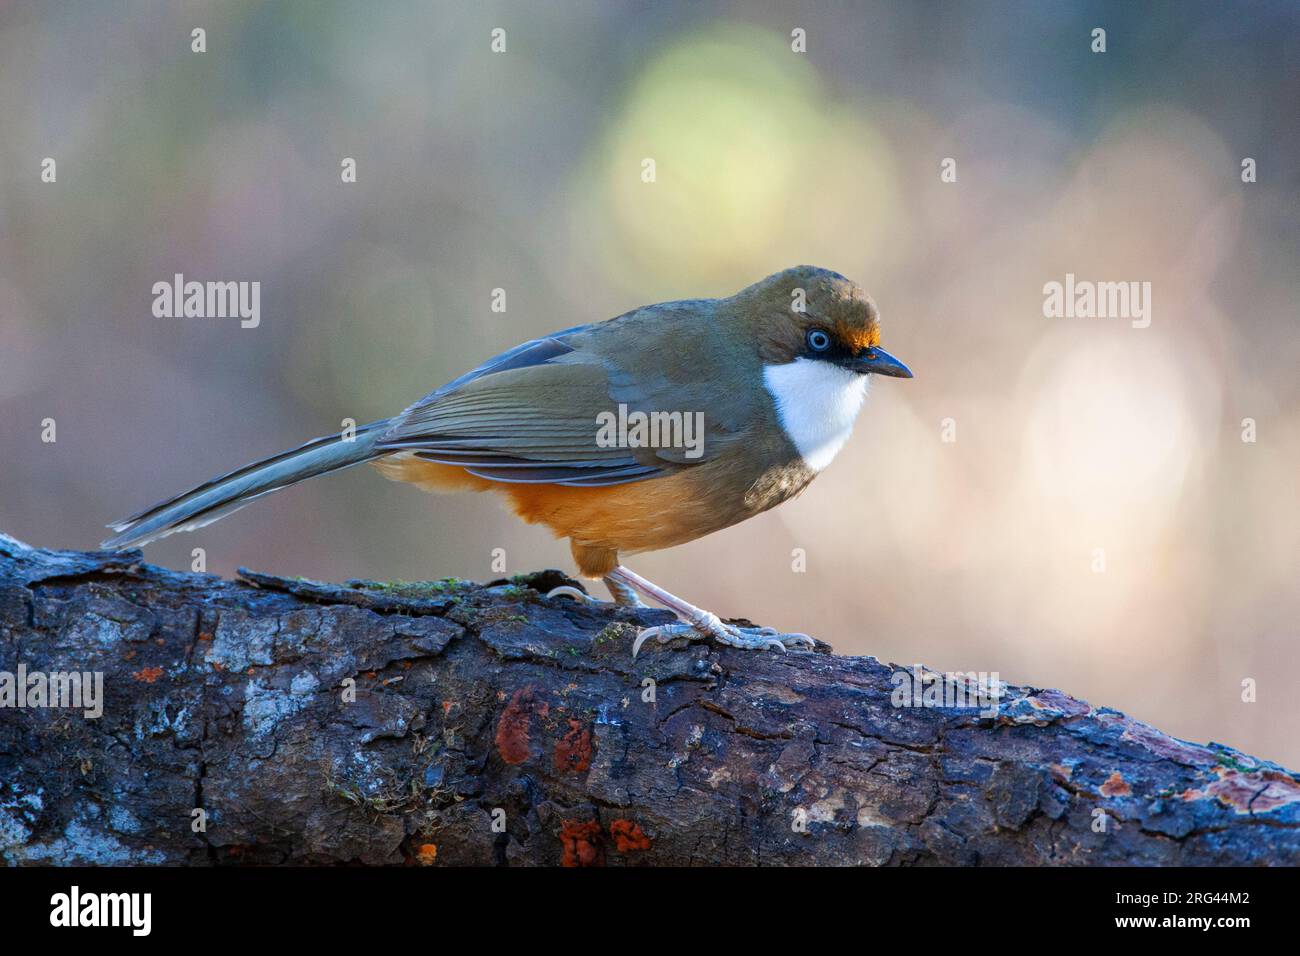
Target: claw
662,633
568,590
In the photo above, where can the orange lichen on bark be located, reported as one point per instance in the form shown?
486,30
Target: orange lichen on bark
628,836
1115,786
514,727
573,752
148,674
1260,791
581,843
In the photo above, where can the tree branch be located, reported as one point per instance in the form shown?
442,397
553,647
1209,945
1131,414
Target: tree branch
492,726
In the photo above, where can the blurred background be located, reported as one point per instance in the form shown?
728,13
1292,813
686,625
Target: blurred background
522,171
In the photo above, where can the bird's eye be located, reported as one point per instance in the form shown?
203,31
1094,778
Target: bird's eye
818,340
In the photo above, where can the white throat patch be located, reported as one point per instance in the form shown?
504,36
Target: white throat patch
817,403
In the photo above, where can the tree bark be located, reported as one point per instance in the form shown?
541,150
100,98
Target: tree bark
273,721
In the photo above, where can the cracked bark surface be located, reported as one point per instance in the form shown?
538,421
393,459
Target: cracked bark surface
478,705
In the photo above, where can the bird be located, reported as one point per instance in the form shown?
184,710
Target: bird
772,379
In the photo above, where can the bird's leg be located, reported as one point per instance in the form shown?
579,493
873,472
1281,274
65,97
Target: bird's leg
697,622
623,595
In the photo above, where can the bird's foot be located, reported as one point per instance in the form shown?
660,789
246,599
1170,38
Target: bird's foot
708,626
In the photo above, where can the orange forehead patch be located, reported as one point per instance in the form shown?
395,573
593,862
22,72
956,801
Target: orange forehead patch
858,338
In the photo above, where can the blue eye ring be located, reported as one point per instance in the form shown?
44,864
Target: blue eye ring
818,340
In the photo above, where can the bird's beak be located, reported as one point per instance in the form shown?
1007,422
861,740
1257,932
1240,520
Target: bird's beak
879,362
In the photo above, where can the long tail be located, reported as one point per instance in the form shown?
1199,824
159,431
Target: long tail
221,496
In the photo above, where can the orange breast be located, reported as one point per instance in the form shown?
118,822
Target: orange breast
600,522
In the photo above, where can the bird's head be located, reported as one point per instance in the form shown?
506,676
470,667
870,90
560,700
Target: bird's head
806,314
817,337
